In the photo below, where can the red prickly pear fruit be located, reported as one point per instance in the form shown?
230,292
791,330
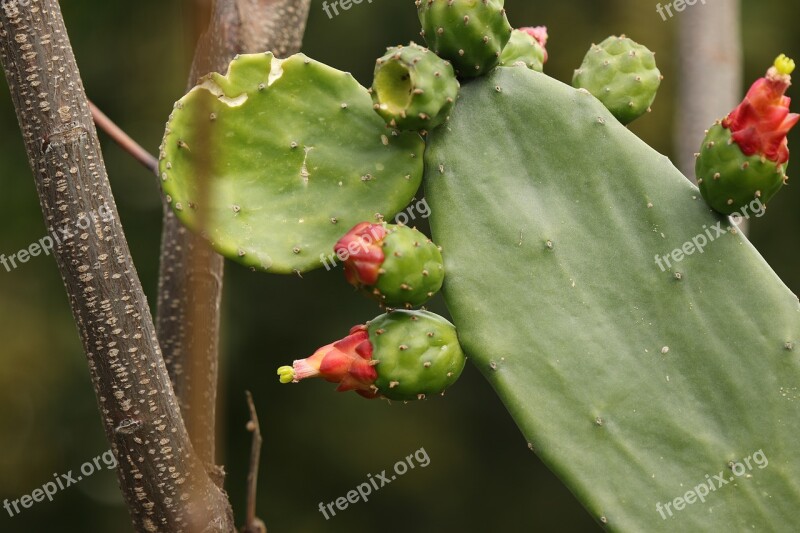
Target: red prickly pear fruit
394,264
401,355
743,158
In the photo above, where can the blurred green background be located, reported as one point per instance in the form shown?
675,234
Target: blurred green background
134,57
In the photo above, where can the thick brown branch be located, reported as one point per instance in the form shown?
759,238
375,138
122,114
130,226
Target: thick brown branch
190,278
164,483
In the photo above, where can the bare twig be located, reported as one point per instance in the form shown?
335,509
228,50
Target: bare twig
123,140
253,524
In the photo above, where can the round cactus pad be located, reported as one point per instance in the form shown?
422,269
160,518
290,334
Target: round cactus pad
275,160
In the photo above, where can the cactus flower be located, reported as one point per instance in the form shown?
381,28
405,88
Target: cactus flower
744,156
759,124
362,253
347,362
394,264
402,355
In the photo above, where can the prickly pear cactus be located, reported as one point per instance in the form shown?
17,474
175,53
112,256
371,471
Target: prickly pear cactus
636,383
622,74
528,46
743,157
470,34
414,89
276,159
401,355
396,265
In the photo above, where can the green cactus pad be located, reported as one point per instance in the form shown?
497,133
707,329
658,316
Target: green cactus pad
523,47
729,179
414,89
412,271
633,384
622,74
419,354
277,158
471,34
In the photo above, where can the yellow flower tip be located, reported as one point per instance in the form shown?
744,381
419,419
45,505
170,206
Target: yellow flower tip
286,374
784,65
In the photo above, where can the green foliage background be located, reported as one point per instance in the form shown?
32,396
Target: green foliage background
134,57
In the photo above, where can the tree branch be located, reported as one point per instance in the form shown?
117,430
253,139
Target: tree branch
191,273
162,480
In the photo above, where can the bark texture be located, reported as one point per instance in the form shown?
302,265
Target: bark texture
163,481
191,273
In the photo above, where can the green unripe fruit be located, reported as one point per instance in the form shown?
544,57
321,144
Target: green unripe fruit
397,265
729,179
523,47
622,74
414,89
418,354
413,269
471,34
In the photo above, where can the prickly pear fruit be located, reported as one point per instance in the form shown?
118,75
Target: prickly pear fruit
471,34
528,46
414,89
397,265
401,355
744,156
622,74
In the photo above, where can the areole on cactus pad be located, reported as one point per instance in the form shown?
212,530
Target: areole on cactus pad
744,157
396,265
401,355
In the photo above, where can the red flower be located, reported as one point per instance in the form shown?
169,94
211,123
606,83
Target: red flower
347,362
760,123
540,34
361,251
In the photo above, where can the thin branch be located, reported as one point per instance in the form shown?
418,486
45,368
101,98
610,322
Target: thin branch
253,524
163,481
123,140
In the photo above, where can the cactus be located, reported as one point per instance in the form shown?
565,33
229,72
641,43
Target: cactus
634,384
401,355
667,365
397,265
622,74
471,34
744,156
528,46
277,157
414,89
